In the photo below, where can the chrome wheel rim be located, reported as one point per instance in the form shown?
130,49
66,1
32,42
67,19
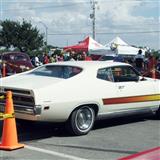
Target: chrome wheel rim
84,118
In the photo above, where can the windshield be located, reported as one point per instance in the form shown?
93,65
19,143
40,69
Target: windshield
20,58
57,71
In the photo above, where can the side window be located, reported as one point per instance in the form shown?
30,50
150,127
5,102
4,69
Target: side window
105,74
124,74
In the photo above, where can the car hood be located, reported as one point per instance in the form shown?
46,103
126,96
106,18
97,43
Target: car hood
29,81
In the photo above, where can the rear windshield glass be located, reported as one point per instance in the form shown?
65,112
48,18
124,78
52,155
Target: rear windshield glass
57,71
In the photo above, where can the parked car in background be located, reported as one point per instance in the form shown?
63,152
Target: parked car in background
79,92
16,62
111,57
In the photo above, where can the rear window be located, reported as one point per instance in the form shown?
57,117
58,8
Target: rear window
57,71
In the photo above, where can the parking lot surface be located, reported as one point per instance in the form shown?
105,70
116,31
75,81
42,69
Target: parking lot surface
110,139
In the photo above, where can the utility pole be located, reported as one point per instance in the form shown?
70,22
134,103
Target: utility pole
93,17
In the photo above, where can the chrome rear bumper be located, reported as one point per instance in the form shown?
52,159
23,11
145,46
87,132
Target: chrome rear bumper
23,101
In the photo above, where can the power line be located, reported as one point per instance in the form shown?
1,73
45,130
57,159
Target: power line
82,1
45,7
141,32
68,5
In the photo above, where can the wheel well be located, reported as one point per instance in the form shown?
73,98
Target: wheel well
95,107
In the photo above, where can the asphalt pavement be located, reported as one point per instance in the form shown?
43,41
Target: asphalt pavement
110,139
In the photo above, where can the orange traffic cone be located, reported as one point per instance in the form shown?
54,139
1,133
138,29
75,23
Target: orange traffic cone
9,134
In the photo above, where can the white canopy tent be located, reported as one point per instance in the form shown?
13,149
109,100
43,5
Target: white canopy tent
97,48
118,46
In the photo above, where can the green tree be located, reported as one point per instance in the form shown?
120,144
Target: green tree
23,36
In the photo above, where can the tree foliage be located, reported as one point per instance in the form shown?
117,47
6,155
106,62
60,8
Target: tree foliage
23,35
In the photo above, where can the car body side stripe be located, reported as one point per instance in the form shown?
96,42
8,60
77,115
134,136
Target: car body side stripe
134,99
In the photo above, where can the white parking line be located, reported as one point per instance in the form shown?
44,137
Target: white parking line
54,153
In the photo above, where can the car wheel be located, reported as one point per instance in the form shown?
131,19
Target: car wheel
81,120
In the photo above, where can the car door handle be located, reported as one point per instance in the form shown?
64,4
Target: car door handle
120,87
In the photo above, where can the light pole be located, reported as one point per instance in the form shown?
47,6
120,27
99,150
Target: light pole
46,28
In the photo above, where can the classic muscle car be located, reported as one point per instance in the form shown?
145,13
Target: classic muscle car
80,92
16,62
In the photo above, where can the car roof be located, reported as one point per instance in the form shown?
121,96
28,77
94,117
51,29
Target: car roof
88,64
14,53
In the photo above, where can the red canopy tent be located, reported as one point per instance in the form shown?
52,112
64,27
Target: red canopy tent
86,45
82,46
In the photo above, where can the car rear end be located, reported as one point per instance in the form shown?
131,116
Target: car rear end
23,101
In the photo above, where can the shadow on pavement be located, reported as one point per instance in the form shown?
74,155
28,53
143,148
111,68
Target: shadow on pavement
28,131
112,122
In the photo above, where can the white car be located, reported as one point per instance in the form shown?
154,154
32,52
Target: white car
79,92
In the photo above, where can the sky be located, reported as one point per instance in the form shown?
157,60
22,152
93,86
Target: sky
67,22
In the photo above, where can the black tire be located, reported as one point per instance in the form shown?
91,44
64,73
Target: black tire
81,121
158,113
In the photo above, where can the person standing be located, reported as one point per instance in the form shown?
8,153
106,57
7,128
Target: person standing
46,59
86,57
139,61
37,62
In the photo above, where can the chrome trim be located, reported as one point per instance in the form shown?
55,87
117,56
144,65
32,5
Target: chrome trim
36,110
15,91
23,101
